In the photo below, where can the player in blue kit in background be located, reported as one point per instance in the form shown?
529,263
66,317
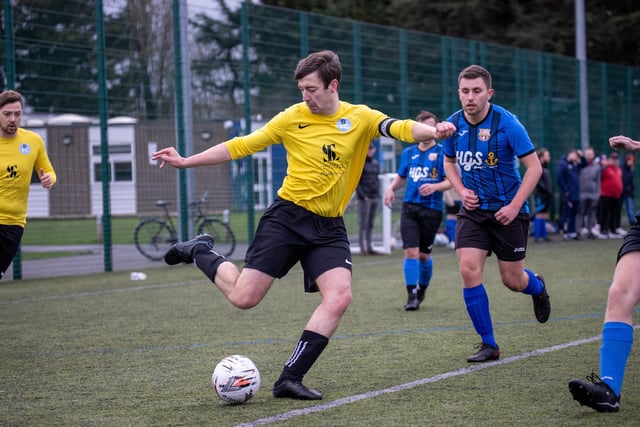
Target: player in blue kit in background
422,169
481,165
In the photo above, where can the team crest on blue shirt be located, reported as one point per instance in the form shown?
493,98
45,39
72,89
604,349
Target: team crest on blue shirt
343,124
25,148
433,157
484,134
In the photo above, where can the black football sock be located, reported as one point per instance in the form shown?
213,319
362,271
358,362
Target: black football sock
304,356
208,262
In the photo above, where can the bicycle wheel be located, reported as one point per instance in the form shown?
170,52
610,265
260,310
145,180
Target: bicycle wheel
153,238
223,238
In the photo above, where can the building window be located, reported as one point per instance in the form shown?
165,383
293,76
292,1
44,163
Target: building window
122,172
113,149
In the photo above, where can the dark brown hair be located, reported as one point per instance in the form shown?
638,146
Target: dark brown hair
325,62
9,97
475,71
424,115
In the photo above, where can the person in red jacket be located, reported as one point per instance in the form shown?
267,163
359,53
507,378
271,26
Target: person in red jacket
610,197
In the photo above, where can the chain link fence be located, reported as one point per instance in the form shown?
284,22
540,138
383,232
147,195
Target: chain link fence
240,66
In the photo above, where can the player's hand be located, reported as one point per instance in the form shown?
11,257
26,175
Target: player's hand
389,197
168,156
426,189
621,141
506,214
444,130
470,199
45,179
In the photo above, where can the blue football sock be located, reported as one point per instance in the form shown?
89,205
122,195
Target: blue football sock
477,302
426,272
535,286
411,271
450,229
543,228
617,340
536,228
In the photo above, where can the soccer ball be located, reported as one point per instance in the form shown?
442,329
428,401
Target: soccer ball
236,379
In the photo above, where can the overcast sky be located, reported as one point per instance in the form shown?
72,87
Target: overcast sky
193,6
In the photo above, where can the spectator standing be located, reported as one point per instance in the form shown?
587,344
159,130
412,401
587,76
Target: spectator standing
611,198
629,188
368,194
543,196
589,195
568,178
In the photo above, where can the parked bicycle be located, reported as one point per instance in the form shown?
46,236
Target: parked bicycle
154,236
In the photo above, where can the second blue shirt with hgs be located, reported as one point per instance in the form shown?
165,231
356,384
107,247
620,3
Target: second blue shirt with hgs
419,168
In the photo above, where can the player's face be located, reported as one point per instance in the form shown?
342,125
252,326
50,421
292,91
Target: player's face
10,115
319,99
474,97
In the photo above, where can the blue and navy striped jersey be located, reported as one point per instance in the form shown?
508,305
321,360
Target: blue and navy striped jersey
486,154
422,167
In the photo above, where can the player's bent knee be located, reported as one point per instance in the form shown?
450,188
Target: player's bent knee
245,301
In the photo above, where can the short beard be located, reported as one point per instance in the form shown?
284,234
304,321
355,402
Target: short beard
6,133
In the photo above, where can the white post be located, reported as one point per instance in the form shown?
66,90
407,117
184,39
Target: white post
387,221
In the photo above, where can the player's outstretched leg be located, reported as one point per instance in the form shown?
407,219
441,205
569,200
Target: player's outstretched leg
185,251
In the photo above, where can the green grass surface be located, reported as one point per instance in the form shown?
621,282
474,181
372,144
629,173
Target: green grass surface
104,350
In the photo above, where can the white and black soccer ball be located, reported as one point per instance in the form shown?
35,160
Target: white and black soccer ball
236,379
441,239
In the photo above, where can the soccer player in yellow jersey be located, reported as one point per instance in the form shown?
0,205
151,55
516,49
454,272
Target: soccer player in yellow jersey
326,141
20,152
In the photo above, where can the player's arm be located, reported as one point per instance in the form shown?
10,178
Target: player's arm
211,156
45,170
468,197
624,142
411,131
532,174
441,186
389,194
423,132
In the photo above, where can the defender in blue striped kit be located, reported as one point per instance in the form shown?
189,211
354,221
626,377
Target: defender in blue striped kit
480,162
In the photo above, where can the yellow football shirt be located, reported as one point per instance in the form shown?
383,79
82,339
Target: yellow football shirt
325,154
18,158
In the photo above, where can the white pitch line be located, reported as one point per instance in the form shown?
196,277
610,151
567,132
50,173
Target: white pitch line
406,386
96,293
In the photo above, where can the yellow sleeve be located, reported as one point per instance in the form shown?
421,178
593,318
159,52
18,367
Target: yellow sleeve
403,130
43,162
259,139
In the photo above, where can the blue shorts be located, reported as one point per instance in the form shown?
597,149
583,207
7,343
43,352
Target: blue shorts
631,242
480,229
288,233
418,226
